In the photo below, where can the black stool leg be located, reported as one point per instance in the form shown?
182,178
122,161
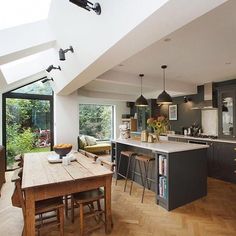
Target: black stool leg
132,178
146,166
118,169
141,174
127,172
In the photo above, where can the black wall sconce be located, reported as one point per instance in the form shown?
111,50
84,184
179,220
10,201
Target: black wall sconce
45,80
187,99
63,52
51,67
88,5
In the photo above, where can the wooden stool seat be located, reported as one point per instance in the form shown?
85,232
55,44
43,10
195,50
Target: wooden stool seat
145,160
129,155
87,198
48,205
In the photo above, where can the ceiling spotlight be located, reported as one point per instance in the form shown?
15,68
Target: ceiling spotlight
63,52
51,67
45,80
88,5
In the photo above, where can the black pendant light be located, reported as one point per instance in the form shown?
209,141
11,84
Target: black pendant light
164,97
141,101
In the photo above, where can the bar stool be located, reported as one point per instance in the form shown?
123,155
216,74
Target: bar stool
145,160
129,155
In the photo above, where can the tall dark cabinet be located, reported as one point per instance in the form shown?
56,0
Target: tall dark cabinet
227,112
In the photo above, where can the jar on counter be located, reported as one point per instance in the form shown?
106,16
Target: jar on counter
144,136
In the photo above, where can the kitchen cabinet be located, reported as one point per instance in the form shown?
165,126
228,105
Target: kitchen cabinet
130,123
223,163
221,158
227,112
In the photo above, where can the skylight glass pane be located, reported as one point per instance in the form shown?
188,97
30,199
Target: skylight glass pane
18,12
35,88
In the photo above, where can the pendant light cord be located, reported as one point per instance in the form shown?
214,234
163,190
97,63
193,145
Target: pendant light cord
141,86
141,77
164,76
164,80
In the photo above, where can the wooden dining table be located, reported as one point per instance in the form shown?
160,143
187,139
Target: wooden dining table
43,180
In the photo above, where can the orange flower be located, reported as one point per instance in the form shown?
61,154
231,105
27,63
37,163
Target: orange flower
150,121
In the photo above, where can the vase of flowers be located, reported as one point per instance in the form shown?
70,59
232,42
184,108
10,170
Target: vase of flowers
159,125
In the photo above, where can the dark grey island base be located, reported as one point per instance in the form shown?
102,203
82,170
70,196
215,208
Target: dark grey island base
185,177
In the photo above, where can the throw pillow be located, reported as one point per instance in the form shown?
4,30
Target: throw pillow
90,140
83,142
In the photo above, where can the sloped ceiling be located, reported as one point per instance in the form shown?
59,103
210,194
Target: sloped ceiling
124,29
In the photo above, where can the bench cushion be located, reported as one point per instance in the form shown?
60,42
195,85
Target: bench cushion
99,147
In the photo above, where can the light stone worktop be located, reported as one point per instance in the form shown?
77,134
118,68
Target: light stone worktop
162,146
199,138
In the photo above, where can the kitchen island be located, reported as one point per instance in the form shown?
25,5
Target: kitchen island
179,171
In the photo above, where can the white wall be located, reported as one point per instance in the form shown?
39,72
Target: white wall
67,116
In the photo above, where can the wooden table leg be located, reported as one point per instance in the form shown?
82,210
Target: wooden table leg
29,213
108,204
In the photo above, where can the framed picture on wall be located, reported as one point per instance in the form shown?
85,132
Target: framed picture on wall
173,111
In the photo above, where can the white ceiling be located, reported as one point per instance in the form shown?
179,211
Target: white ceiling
202,51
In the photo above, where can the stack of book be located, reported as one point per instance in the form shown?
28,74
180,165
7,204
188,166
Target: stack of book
162,165
162,178
163,187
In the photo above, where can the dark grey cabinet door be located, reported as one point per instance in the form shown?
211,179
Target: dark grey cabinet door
224,164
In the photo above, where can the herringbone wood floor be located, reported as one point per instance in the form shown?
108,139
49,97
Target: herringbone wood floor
212,215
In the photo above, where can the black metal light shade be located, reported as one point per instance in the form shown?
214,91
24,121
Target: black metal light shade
164,97
141,101
88,5
45,80
51,67
63,52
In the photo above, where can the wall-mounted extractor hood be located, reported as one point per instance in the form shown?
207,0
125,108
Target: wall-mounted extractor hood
208,103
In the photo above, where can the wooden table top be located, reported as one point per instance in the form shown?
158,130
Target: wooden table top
37,171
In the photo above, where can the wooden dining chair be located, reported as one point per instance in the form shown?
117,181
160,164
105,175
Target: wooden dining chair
88,154
88,199
67,198
42,208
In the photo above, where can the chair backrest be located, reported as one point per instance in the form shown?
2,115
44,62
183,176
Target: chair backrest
89,154
18,194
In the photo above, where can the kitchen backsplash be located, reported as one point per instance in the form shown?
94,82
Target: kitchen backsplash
210,122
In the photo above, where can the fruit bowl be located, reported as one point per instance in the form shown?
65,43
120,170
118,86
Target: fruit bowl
62,149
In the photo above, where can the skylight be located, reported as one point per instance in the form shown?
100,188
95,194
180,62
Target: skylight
18,12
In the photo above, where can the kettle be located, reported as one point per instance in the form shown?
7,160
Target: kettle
144,136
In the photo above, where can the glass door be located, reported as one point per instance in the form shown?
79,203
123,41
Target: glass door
27,122
226,113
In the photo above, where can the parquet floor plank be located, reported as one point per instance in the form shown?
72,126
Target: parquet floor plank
213,215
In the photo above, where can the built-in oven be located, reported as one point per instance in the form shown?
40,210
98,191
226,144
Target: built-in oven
198,142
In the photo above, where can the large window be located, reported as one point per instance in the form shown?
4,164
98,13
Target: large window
96,120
